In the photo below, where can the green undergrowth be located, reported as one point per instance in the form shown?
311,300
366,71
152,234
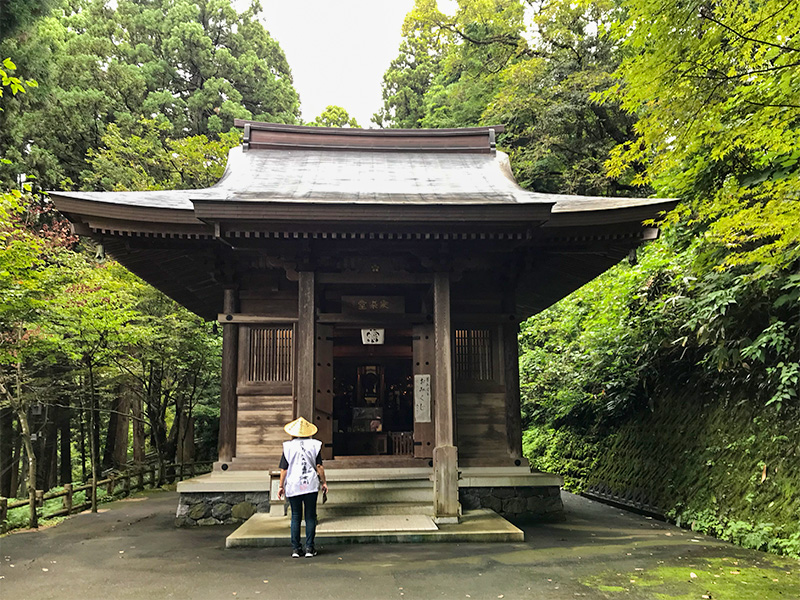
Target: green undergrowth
18,518
561,451
713,579
724,468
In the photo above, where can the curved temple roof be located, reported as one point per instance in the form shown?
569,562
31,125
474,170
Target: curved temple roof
337,187
282,164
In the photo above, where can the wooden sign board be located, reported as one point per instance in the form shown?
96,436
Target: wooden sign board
422,398
373,305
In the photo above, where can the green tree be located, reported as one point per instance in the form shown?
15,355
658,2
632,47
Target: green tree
334,116
531,68
407,80
31,265
715,90
143,158
197,65
19,14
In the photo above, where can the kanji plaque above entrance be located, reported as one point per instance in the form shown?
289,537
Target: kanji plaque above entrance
373,304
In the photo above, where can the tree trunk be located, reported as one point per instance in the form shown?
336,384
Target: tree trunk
94,436
65,454
82,422
6,451
138,429
15,468
48,466
186,440
26,440
120,455
111,435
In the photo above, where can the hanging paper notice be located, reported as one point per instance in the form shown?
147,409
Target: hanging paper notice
422,398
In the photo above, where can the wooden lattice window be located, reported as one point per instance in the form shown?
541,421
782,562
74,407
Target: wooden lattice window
271,355
473,355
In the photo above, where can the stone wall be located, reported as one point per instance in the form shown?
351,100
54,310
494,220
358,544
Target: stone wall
540,502
219,508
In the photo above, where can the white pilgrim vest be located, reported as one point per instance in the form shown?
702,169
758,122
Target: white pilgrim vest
301,476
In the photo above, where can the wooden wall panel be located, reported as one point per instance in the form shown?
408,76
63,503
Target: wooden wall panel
260,426
481,429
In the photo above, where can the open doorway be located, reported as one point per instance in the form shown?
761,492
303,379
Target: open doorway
373,408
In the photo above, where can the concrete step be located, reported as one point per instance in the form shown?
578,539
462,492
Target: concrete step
380,492
478,526
329,509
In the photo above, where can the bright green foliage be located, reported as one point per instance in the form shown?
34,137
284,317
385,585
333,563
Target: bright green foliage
8,81
716,92
143,158
334,116
196,65
74,330
530,68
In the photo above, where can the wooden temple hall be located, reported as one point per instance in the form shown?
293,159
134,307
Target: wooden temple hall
372,281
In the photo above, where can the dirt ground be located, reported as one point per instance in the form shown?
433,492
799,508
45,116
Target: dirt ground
132,550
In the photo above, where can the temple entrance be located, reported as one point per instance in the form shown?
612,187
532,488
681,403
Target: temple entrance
373,391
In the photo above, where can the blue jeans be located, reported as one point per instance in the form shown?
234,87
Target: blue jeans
309,501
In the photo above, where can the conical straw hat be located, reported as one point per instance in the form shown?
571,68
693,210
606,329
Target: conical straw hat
300,428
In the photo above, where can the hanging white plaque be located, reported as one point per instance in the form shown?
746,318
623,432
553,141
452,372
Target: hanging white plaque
422,398
372,336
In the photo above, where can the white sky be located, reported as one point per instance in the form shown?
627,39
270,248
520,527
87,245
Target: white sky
338,50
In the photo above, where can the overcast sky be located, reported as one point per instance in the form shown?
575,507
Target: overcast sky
338,50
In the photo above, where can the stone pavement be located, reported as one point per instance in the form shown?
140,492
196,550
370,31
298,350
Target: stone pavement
132,550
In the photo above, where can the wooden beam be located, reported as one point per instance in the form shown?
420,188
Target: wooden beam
305,345
375,278
376,320
364,351
226,318
228,399
467,319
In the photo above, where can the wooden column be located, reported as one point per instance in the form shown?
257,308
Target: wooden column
513,408
445,455
227,403
443,395
306,316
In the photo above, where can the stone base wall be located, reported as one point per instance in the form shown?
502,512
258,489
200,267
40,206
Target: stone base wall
541,502
219,508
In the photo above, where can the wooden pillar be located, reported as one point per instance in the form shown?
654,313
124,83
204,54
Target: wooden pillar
513,408
445,455
306,317
227,403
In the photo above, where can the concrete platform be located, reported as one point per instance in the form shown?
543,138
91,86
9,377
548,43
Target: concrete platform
478,526
258,481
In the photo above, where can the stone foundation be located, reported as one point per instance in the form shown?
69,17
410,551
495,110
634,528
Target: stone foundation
219,508
540,502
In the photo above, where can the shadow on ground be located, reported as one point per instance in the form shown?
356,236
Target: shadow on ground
132,550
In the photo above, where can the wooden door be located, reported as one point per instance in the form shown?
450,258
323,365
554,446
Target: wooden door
323,392
424,409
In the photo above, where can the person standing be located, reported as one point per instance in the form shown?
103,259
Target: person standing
302,477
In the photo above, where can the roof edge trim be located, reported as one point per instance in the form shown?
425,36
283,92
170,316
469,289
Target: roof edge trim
263,126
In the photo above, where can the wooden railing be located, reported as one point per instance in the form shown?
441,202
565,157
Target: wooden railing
135,478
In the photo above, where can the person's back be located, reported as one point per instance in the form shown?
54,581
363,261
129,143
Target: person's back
302,476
